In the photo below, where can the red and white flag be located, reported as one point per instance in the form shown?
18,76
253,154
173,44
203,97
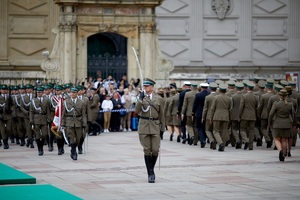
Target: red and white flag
56,123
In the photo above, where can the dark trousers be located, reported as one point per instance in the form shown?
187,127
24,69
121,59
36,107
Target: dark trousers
201,130
182,127
115,121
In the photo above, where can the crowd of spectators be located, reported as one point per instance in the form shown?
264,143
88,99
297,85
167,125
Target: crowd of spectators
117,102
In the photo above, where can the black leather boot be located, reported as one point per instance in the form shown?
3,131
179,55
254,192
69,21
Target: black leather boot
39,145
80,145
50,143
221,147
148,162
59,146
12,139
73,151
5,144
31,143
161,135
17,140
22,141
153,162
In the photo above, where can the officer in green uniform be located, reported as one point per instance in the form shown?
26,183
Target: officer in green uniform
187,108
39,116
280,119
220,116
74,118
206,114
234,114
5,115
247,116
150,110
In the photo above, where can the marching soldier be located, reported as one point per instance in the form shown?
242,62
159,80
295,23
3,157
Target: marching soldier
294,119
5,115
74,119
198,107
150,109
187,87
280,119
247,116
50,135
39,116
261,84
220,116
14,132
206,114
20,125
236,99
174,114
167,112
263,114
187,112
54,102
25,105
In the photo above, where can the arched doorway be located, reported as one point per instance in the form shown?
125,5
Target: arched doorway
107,55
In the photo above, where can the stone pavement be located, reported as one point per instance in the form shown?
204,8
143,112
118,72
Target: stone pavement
113,168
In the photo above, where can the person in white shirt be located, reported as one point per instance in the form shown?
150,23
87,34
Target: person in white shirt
107,106
98,83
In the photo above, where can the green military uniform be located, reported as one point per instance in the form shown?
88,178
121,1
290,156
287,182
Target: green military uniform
257,129
20,116
220,115
6,107
74,118
50,135
281,119
247,116
206,114
187,108
174,115
39,116
59,139
150,110
235,125
262,113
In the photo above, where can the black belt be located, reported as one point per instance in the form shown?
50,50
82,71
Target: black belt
149,118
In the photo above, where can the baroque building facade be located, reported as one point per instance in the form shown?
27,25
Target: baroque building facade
223,39
181,39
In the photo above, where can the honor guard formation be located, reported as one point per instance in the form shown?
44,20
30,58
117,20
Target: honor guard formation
241,114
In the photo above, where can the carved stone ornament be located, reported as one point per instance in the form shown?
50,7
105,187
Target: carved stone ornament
108,27
147,27
221,7
52,62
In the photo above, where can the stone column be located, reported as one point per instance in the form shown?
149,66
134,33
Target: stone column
3,33
69,26
147,50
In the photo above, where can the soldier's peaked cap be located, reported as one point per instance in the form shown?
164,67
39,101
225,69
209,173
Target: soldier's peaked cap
74,89
188,83
223,87
213,85
40,89
148,81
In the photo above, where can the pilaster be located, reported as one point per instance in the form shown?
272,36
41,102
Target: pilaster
294,31
245,30
3,33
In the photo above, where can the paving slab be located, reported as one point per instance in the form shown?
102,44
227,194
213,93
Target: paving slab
112,167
